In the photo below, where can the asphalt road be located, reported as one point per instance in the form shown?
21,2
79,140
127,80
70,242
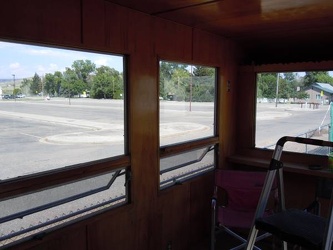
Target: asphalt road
49,134
38,135
290,120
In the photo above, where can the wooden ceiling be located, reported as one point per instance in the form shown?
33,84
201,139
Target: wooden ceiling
268,30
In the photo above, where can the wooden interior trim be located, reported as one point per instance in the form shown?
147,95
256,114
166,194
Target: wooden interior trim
182,147
189,6
292,167
290,67
30,183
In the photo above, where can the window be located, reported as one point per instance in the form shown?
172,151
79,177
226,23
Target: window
187,120
62,119
293,104
58,108
182,166
30,213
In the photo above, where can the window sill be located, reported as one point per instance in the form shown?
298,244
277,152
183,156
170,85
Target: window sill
291,167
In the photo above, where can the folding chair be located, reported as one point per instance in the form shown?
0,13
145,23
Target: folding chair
240,191
296,226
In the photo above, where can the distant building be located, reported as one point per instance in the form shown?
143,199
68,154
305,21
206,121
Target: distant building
320,93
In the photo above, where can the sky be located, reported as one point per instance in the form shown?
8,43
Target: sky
24,61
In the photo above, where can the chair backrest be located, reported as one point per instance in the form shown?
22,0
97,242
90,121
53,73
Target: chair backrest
243,188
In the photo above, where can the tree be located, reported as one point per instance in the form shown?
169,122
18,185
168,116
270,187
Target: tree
36,84
25,85
285,89
325,78
289,76
53,83
83,68
178,83
181,80
75,80
71,84
58,78
167,76
301,95
203,88
17,91
203,84
292,85
107,83
289,85
167,69
50,83
266,84
203,71
317,76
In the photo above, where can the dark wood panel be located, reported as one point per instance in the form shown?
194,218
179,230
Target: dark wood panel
292,67
184,213
114,230
183,147
293,165
227,102
73,238
200,204
143,129
259,26
152,6
211,13
246,110
116,27
207,48
299,192
93,23
172,41
140,38
174,212
43,21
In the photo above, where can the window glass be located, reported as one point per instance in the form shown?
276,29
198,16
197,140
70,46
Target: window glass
179,167
294,104
58,108
187,102
187,114
31,213
25,204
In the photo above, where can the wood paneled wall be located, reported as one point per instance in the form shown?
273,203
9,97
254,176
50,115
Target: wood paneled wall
154,218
